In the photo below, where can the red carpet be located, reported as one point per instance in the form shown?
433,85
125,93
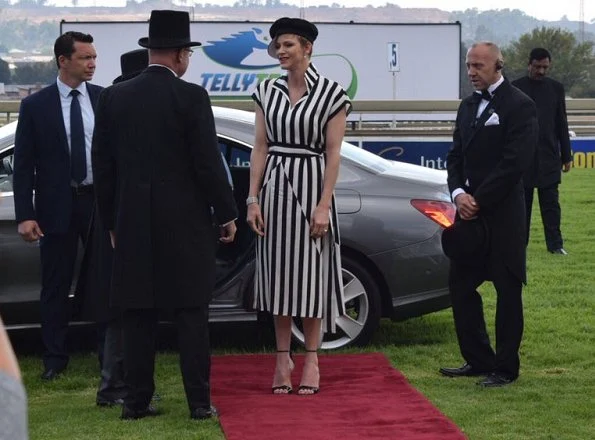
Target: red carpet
361,397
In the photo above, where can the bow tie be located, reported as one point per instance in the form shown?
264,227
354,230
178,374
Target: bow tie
486,95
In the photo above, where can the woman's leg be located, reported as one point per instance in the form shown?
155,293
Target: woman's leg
282,378
311,375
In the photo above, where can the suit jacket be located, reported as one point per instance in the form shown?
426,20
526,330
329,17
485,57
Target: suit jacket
489,162
553,148
42,161
158,170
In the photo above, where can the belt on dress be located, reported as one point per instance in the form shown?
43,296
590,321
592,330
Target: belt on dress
293,151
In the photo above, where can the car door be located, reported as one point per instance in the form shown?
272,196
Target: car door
235,261
19,261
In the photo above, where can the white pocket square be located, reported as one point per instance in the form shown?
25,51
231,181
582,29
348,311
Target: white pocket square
493,120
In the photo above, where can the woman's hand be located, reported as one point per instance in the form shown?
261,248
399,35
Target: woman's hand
254,218
319,221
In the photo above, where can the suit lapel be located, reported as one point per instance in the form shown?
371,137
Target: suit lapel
487,112
93,95
55,109
479,123
470,125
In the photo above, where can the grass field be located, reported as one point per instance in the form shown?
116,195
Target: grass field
554,398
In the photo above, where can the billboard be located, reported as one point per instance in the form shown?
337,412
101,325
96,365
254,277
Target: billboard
371,61
431,151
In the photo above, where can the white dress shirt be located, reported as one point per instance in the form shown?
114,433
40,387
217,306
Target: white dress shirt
88,121
482,106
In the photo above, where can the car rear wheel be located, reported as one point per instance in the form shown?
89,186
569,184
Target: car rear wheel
362,307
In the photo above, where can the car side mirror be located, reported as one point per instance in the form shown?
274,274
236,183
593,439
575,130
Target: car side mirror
7,165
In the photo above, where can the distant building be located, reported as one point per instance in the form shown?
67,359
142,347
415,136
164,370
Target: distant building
17,92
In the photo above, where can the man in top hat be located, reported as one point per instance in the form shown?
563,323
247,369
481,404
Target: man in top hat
94,281
158,171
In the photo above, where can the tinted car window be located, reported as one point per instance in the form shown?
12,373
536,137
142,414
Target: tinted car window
6,161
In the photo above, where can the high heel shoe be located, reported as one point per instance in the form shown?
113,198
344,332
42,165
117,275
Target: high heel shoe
285,389
308,390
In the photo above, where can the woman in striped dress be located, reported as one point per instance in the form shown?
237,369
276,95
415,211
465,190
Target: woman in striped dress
300,123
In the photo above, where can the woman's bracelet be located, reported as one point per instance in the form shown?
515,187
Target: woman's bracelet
250,200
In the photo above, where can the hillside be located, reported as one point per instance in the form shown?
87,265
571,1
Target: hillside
34,28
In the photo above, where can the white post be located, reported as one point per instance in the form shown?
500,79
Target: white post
394,65
394,125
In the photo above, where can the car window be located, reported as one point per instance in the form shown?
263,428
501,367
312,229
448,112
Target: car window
236,155
6,162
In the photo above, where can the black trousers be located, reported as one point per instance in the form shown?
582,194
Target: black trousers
58,256
112,385
467,308
549,206
140,329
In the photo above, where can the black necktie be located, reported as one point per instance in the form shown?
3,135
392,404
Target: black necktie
78,155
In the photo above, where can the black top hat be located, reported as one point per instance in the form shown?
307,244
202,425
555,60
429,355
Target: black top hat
168,30
132,63
467,240
296,26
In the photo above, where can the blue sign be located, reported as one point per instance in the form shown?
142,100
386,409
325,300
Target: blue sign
432,153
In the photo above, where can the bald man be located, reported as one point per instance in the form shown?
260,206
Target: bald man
493,144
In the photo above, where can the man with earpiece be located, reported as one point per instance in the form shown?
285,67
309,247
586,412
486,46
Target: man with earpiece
553,153
493,143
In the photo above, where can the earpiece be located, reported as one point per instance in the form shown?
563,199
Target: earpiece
499,65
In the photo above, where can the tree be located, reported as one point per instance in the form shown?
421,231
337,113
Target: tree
34,73
573,63
4,72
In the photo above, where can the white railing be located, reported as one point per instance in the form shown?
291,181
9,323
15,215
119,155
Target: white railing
394,117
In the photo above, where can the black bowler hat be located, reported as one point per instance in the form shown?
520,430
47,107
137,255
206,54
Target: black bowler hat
168,30
296,26
132,63
466,240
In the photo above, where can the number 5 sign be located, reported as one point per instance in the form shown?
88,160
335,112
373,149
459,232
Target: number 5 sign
393,57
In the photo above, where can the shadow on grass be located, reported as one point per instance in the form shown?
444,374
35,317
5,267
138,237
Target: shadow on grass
248,337
433,329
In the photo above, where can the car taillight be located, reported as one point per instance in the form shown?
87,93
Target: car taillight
442,213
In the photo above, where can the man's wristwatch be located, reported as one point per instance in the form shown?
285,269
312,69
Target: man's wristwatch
250,200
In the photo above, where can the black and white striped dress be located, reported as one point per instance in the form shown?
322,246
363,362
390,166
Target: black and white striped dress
297,275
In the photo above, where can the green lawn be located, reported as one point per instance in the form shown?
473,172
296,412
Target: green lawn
554,397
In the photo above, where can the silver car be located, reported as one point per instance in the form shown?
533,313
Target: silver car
391,216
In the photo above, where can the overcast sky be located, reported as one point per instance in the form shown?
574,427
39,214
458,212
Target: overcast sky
541,9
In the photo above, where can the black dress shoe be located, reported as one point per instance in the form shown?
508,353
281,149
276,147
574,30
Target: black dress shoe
559,251
465,370
203,413
495,380
109,402
133,414
51,373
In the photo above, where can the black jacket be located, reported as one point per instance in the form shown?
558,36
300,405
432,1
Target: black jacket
488,161
553,148
42,161
158,170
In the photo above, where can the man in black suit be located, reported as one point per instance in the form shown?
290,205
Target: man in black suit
158,172
553,149
53,159
493,144
93,287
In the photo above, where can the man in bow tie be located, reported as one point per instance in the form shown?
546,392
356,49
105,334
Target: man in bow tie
493,143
